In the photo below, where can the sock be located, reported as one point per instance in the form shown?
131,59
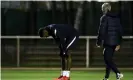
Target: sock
66,73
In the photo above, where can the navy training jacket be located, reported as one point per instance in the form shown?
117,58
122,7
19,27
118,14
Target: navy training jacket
110,30
61,31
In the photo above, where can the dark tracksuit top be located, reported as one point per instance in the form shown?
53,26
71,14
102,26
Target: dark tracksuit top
110,30
64,35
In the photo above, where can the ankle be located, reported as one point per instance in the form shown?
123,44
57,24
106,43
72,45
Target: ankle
105,79
66,73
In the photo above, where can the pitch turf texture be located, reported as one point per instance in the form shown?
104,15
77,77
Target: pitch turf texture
40,74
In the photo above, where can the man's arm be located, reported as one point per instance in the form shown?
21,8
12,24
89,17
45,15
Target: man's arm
60,40
102,30
120,31
61,43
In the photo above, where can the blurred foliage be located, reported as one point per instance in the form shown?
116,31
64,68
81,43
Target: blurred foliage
35,14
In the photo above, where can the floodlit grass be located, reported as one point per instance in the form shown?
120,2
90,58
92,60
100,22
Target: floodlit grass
25,74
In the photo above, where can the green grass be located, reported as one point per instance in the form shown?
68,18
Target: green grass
9,74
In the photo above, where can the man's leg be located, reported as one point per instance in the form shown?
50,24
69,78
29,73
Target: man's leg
66,58
63,60
108,55
69,60
108,69
65,63
69,44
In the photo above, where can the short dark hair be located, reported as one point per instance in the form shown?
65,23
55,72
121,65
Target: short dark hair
40,32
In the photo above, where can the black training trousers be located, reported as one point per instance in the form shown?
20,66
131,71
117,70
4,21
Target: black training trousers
108,58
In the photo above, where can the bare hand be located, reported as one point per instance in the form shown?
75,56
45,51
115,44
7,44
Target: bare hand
117,48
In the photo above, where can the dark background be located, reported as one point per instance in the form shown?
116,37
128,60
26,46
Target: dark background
17,19
25,18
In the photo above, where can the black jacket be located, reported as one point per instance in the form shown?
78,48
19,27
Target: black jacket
110,30
61,31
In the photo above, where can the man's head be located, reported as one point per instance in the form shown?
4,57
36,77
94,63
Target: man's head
43,32
106,7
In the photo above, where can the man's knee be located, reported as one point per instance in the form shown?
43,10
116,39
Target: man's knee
66,56
107,60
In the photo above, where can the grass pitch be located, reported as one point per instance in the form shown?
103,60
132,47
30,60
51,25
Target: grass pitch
40,74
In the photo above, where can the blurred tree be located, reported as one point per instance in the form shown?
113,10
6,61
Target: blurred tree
79,14
70,13
32,13
82,15
54,12
65,12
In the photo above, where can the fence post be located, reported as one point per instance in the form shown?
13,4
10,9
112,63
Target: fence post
87,52
18,51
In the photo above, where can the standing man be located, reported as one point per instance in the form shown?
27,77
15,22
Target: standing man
110,35
65,36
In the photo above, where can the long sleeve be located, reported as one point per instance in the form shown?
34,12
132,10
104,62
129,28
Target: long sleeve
102,30
59,39
56,34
